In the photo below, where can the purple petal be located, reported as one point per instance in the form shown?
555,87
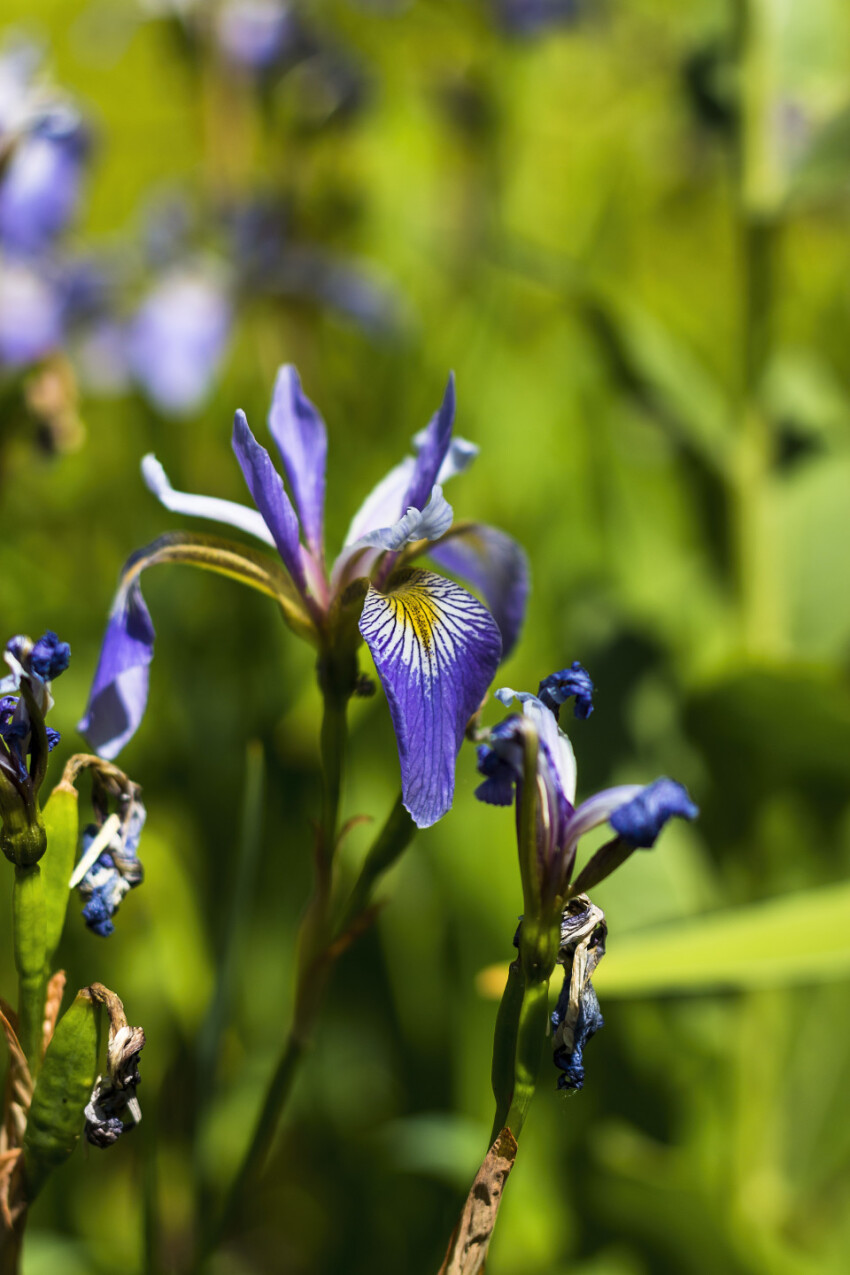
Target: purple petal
302,440
436,649
266,487
119,692
598,810
640,820
435,445
427,524
493,563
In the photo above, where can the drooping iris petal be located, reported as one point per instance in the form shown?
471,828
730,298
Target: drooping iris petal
433,451
436,649
496,565
302,440
119,692
184,502
427,524
640,820
266,487
598,809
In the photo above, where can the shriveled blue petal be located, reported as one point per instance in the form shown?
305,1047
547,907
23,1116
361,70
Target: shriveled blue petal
302,440
433,452
119,692
266,487
427,524
640,820
496,565
49,657
436,649
557,688
569,1053
217,510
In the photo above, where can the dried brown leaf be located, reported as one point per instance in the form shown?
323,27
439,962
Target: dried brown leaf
468,1246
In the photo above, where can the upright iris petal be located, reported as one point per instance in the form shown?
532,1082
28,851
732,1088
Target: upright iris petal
436,441
436,649
266,487
119,692
495,564
302,440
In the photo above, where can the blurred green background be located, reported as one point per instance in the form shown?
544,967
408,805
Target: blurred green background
627,232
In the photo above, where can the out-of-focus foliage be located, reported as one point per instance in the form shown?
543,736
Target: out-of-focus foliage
626,230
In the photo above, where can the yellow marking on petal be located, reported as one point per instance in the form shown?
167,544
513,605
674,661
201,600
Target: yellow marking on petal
412,601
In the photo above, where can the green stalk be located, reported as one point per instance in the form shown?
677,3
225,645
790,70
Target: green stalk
386,849
521,1021
28,925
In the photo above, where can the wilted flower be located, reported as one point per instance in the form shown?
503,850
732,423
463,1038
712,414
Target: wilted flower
435,646
25,740
114,1094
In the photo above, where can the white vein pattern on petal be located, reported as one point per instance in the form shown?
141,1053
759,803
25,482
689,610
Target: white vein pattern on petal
426,524
431,682
211,507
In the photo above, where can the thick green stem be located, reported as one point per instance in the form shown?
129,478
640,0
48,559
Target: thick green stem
28,922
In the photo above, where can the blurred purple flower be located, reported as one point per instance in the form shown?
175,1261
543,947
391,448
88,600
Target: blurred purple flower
178,337
40,184
31,314
255,34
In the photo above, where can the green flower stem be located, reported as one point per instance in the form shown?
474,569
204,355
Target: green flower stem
29,942
522,1017
386,849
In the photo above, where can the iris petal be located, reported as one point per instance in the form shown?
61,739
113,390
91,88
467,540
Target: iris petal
266,487
427,524
184,502
493,563
119,692
436,441
302,440
436,649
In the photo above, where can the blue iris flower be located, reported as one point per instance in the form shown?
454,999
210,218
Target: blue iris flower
435,646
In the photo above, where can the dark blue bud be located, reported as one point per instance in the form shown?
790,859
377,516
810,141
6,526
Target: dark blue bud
640,820
53,738
557,688
49,657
